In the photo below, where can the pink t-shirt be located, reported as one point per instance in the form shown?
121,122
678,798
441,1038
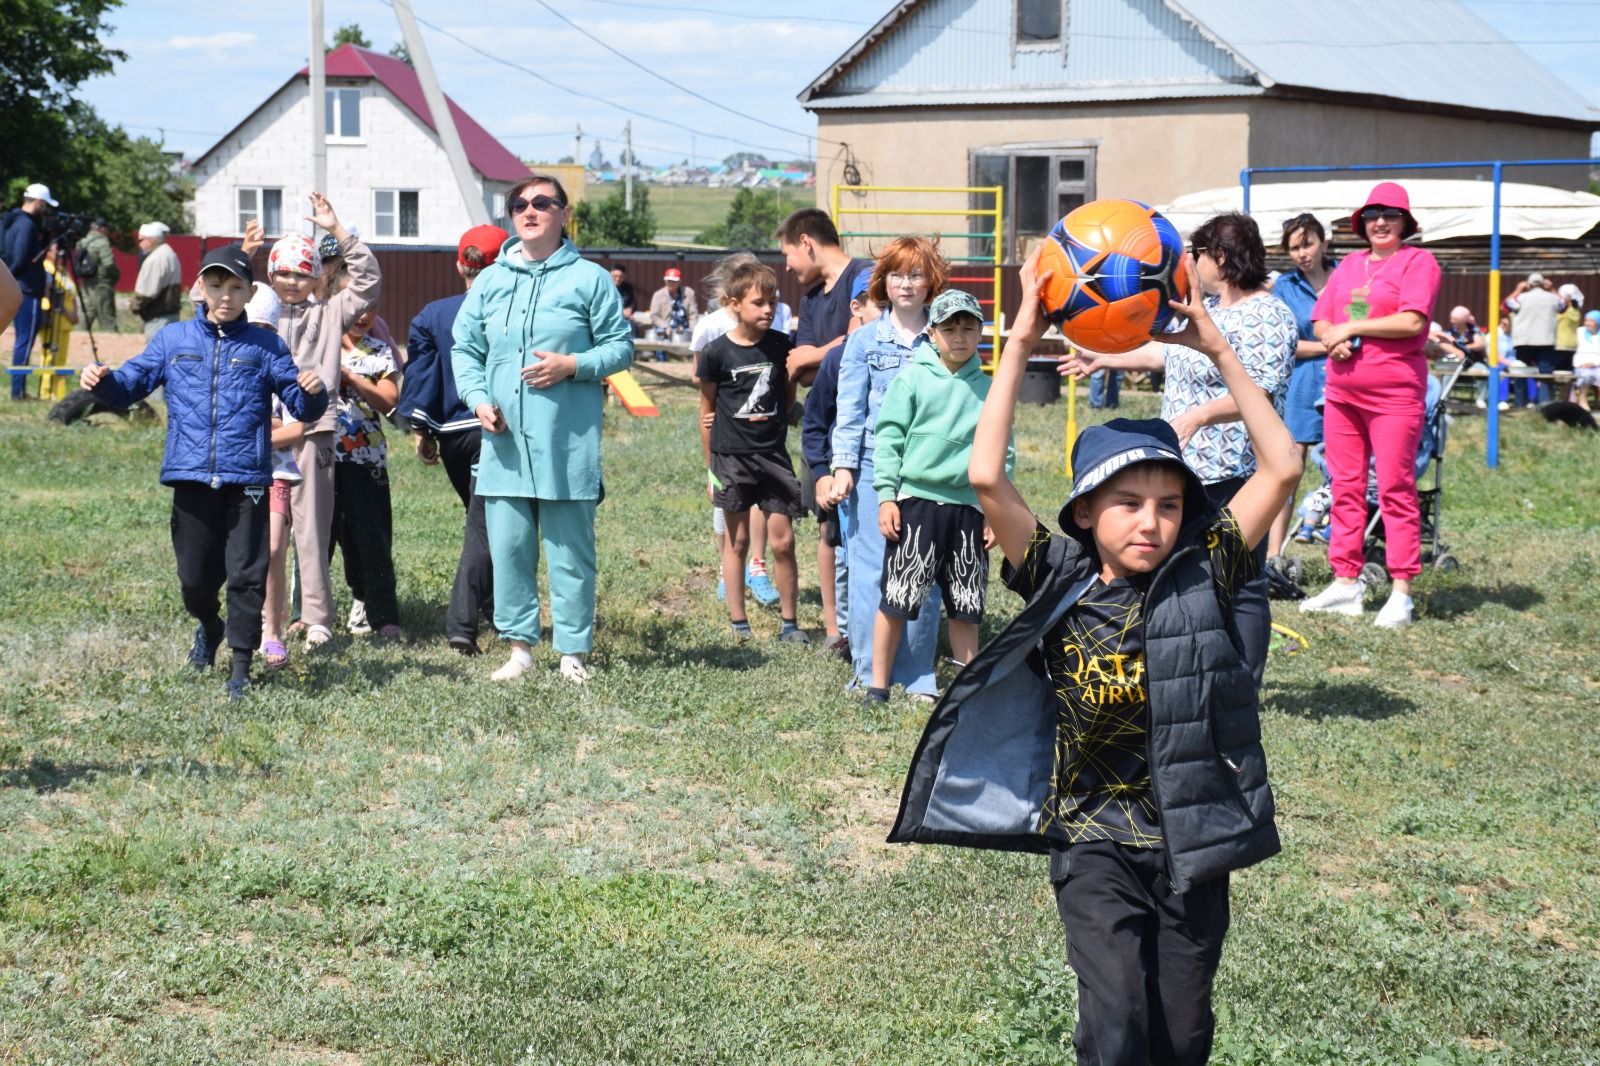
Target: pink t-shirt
1408,280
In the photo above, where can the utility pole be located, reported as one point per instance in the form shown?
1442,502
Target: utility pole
627,175
577,147
444,124
319,104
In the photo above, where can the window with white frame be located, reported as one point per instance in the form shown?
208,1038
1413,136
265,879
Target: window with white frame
343,115
1039,22
258,204
395,213
1040,186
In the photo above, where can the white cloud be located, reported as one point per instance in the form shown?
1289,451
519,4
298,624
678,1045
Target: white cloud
215,42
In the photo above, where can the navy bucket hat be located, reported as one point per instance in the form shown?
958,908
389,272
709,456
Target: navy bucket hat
1101,452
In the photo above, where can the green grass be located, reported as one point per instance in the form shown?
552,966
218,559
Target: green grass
684,211
383,858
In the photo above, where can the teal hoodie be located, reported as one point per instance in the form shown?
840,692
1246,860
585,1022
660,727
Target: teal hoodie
550,448
925,428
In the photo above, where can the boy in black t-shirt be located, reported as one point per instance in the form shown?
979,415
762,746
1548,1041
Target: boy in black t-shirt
1133,756
745,393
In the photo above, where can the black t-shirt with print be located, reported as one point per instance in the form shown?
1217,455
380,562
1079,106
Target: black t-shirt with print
825,316
752,392
1095,655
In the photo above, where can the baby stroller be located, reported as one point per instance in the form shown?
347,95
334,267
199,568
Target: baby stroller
1313,511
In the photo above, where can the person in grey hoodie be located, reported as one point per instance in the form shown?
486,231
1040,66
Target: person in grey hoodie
314,330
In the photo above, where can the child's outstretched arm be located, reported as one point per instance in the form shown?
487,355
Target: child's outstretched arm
131,382
1007,512
1260,499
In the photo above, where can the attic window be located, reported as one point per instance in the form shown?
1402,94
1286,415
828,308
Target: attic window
344,114
1039,21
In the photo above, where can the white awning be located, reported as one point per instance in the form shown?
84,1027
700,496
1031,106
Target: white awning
1444,207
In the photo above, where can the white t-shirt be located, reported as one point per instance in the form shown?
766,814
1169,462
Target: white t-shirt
710,327
1588,353
284,467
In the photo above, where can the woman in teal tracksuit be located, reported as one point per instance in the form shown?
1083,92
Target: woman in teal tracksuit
538,335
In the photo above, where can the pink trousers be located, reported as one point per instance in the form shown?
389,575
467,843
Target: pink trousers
1389,428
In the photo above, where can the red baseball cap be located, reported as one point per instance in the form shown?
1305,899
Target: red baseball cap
486,239
672,274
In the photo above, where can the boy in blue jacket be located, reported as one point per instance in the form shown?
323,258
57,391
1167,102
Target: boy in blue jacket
220,373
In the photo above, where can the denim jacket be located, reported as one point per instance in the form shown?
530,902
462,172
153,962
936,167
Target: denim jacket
873,356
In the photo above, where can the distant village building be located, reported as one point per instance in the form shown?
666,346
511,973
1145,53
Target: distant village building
387,172
1059,101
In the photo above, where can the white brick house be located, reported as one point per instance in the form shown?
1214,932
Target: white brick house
387,172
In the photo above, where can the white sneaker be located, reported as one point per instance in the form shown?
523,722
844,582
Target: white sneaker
573,670
1480,404
357,622
1338,598
1395,612
1505,405
519,663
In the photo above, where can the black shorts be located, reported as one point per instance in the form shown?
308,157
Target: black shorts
938,542
760,479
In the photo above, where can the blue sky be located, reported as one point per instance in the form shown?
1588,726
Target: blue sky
192,75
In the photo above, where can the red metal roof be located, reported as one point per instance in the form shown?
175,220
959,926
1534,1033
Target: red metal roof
488,156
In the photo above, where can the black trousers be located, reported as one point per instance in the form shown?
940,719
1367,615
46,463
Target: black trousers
363,531
1252,613
220,537
1144,958
472,594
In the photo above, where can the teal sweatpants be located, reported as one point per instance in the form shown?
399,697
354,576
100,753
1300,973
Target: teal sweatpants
518,527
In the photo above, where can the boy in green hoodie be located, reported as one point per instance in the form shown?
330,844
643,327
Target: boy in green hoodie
929,514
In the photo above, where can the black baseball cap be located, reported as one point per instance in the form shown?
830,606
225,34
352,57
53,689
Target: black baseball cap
1101,452
232,259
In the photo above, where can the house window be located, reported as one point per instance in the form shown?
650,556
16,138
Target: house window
495,204
1040,185
1039,21
344,114
394,213
265,205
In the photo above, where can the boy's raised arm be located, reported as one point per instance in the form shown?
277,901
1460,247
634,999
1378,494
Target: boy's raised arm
131,382
1260,499
1007,512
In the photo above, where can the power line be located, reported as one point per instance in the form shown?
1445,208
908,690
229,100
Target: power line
678,85
596,99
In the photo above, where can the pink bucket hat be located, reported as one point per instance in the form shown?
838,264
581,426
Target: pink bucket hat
1385,194
295,254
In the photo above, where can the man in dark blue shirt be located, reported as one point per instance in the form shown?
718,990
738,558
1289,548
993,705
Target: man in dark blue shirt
811,250
24,243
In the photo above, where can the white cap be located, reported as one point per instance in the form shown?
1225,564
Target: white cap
153,230
39,192
1535,279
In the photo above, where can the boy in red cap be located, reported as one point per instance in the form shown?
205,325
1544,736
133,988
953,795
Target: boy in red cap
447,430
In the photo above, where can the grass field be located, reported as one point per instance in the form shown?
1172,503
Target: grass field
684,211
380,857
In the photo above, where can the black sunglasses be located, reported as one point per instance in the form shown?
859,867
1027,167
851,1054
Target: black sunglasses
516,205
1387,214
1305,219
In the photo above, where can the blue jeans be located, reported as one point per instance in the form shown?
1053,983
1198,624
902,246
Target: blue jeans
27,327
1104,386
864,545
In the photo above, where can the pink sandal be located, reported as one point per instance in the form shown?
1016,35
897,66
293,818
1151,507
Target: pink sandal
277,655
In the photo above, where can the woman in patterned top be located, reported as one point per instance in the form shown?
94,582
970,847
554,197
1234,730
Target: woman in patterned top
1231,266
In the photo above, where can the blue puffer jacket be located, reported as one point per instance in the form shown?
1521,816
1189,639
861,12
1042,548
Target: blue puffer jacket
219,383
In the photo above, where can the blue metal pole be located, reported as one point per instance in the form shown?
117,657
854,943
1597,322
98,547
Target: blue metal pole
1491,443
1244,183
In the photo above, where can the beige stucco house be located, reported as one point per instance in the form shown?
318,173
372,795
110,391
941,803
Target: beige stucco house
1062,101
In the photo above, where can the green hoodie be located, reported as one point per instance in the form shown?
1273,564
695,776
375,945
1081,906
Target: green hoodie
925,428
550,448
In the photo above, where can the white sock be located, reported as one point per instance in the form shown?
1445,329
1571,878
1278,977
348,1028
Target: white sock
573,670
520,662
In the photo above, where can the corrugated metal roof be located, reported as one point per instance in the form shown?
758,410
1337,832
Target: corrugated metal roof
1433,51
1427,51
486,154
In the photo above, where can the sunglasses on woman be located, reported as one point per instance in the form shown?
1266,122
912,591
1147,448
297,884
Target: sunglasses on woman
1387,214
516,205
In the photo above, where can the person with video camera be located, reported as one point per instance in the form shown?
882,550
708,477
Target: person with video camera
23,247
158,292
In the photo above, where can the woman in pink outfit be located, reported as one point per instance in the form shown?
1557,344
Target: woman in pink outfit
1373,317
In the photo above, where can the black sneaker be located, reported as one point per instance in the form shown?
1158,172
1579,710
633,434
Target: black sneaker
464,646
876,697
237,690
203,653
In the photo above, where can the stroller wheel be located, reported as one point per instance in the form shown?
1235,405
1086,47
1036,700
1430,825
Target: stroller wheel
1375,577
1446,563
